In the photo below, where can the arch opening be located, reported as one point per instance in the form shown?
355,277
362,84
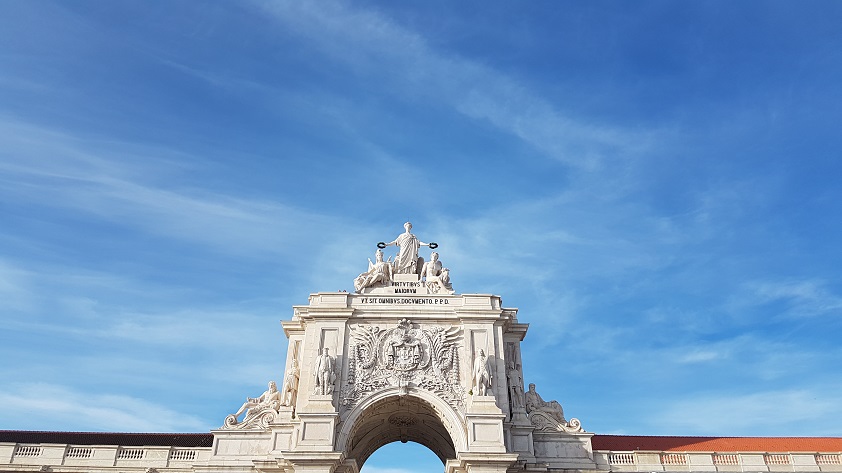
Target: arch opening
397,456
399,419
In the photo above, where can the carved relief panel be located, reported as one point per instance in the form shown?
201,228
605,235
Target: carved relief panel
404,356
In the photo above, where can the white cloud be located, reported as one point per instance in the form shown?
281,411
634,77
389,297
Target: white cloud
792,298
51,407
15,291
753,413
365,40
57,170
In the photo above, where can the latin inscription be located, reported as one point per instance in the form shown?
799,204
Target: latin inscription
404,300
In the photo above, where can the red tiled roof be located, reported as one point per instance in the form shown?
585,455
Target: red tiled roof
716,444
599,442
107,438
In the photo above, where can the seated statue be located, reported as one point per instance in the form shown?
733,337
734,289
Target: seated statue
535,403
271,398
437,277
379,272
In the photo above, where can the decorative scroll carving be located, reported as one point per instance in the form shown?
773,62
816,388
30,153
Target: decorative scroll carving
401,420
404,356
260,411
548,416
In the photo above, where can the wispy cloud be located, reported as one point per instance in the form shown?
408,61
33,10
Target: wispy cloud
802,298
57,170
749,414
15,289
55,407
365,39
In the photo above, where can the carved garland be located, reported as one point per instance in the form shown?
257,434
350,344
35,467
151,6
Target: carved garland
259,419
403,356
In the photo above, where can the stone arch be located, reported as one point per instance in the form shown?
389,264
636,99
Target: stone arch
413,416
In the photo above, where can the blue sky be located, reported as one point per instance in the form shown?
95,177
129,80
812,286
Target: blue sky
655,185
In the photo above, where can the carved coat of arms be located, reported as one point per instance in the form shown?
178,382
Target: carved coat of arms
403,356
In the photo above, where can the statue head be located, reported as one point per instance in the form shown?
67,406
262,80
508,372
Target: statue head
407,226
532,387
378,255
324,351
434,256
272,386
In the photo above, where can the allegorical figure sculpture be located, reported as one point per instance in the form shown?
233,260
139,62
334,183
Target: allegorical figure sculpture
437,277
535,403
379,272
515,386
290,384
406,262
482,374
323,373
271,398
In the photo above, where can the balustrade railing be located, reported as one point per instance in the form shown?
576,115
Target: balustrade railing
130,454
647,461
825,459
28,451
673,459
777,459
79,452
726,459
183,455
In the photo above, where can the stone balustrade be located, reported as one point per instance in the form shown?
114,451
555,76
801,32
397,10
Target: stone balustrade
52,457
712,461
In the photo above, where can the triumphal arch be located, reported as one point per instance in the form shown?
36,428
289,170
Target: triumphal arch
405,358
402,358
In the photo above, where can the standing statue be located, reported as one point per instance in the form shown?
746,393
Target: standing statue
290,384
515,386
379,272
406,262
271,398
535,403
323,373
437,277
482,374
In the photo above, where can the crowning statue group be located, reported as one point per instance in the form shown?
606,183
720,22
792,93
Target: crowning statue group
432,273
